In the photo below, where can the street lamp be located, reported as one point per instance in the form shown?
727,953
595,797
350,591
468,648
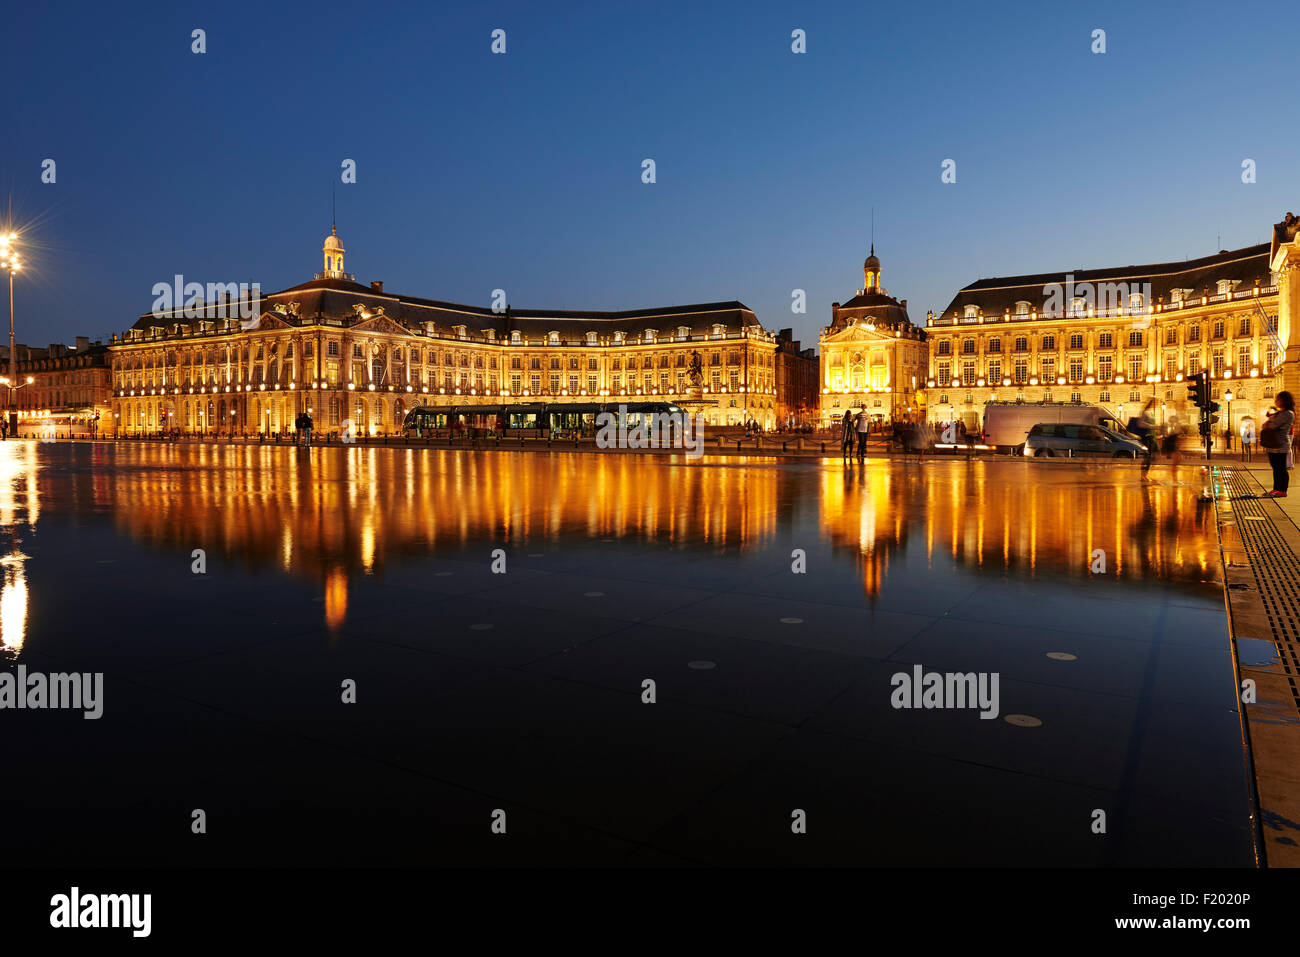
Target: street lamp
13,401
10,262
1227,433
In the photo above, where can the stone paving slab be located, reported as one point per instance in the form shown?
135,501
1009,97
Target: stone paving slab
1260,543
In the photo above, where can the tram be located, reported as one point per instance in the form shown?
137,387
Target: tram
522,417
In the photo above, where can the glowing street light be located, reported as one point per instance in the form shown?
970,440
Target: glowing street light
10,261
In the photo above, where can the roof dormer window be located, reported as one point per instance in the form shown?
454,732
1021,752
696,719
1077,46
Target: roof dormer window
515,338
553,338
649,335
971,312
683,332
591,338
618,338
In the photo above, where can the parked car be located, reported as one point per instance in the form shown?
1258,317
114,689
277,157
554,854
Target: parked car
1007,424
1073,439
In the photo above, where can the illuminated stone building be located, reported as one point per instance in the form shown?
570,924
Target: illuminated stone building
348,352
1116,337
872,355
62,390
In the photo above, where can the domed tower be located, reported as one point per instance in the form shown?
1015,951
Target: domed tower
871,272
333,250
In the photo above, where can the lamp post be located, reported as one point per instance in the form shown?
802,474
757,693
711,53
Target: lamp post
1227,433
13,399
10,262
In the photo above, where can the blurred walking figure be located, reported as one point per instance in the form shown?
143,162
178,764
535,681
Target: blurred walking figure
919,438
1275,437
1144,427
864,426
846,433
1169,443
308,425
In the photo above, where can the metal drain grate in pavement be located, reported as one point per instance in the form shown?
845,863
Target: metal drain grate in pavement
1276,569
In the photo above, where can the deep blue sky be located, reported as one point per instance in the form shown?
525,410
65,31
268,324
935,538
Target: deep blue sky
522,171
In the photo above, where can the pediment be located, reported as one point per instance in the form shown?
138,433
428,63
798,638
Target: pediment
381,324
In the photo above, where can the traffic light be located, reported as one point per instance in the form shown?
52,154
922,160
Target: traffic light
1212,408
1198,390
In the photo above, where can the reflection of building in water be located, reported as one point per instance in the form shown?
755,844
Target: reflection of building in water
986,518
333,513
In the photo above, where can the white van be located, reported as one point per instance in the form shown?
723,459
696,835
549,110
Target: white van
1007,424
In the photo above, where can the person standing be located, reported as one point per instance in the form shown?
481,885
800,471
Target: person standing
1275,437
308,425
864,426
846,433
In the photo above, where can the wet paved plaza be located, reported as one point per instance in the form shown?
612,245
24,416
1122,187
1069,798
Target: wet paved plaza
523,691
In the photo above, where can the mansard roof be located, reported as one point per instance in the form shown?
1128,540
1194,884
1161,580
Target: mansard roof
997,295
337,298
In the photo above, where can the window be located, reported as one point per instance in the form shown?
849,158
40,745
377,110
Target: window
1022,308
1194,332
1270,360
1136,304
944,375
1216,363
1022,370
553,338
1218,329
1022,344
1075,397
1171,365
1049,342
968,374
1193,364
1104,397
995,345
1243,359
1076,340
1243,326
968,347
1135,338
592,384
591,338
516,339
1137,368
1078,306
971,312
1076,370
683,332
995,371
1047,365
648,335
1171,336
945,347
1105,341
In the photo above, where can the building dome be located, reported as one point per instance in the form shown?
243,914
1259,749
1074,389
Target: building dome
872,261
332,241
